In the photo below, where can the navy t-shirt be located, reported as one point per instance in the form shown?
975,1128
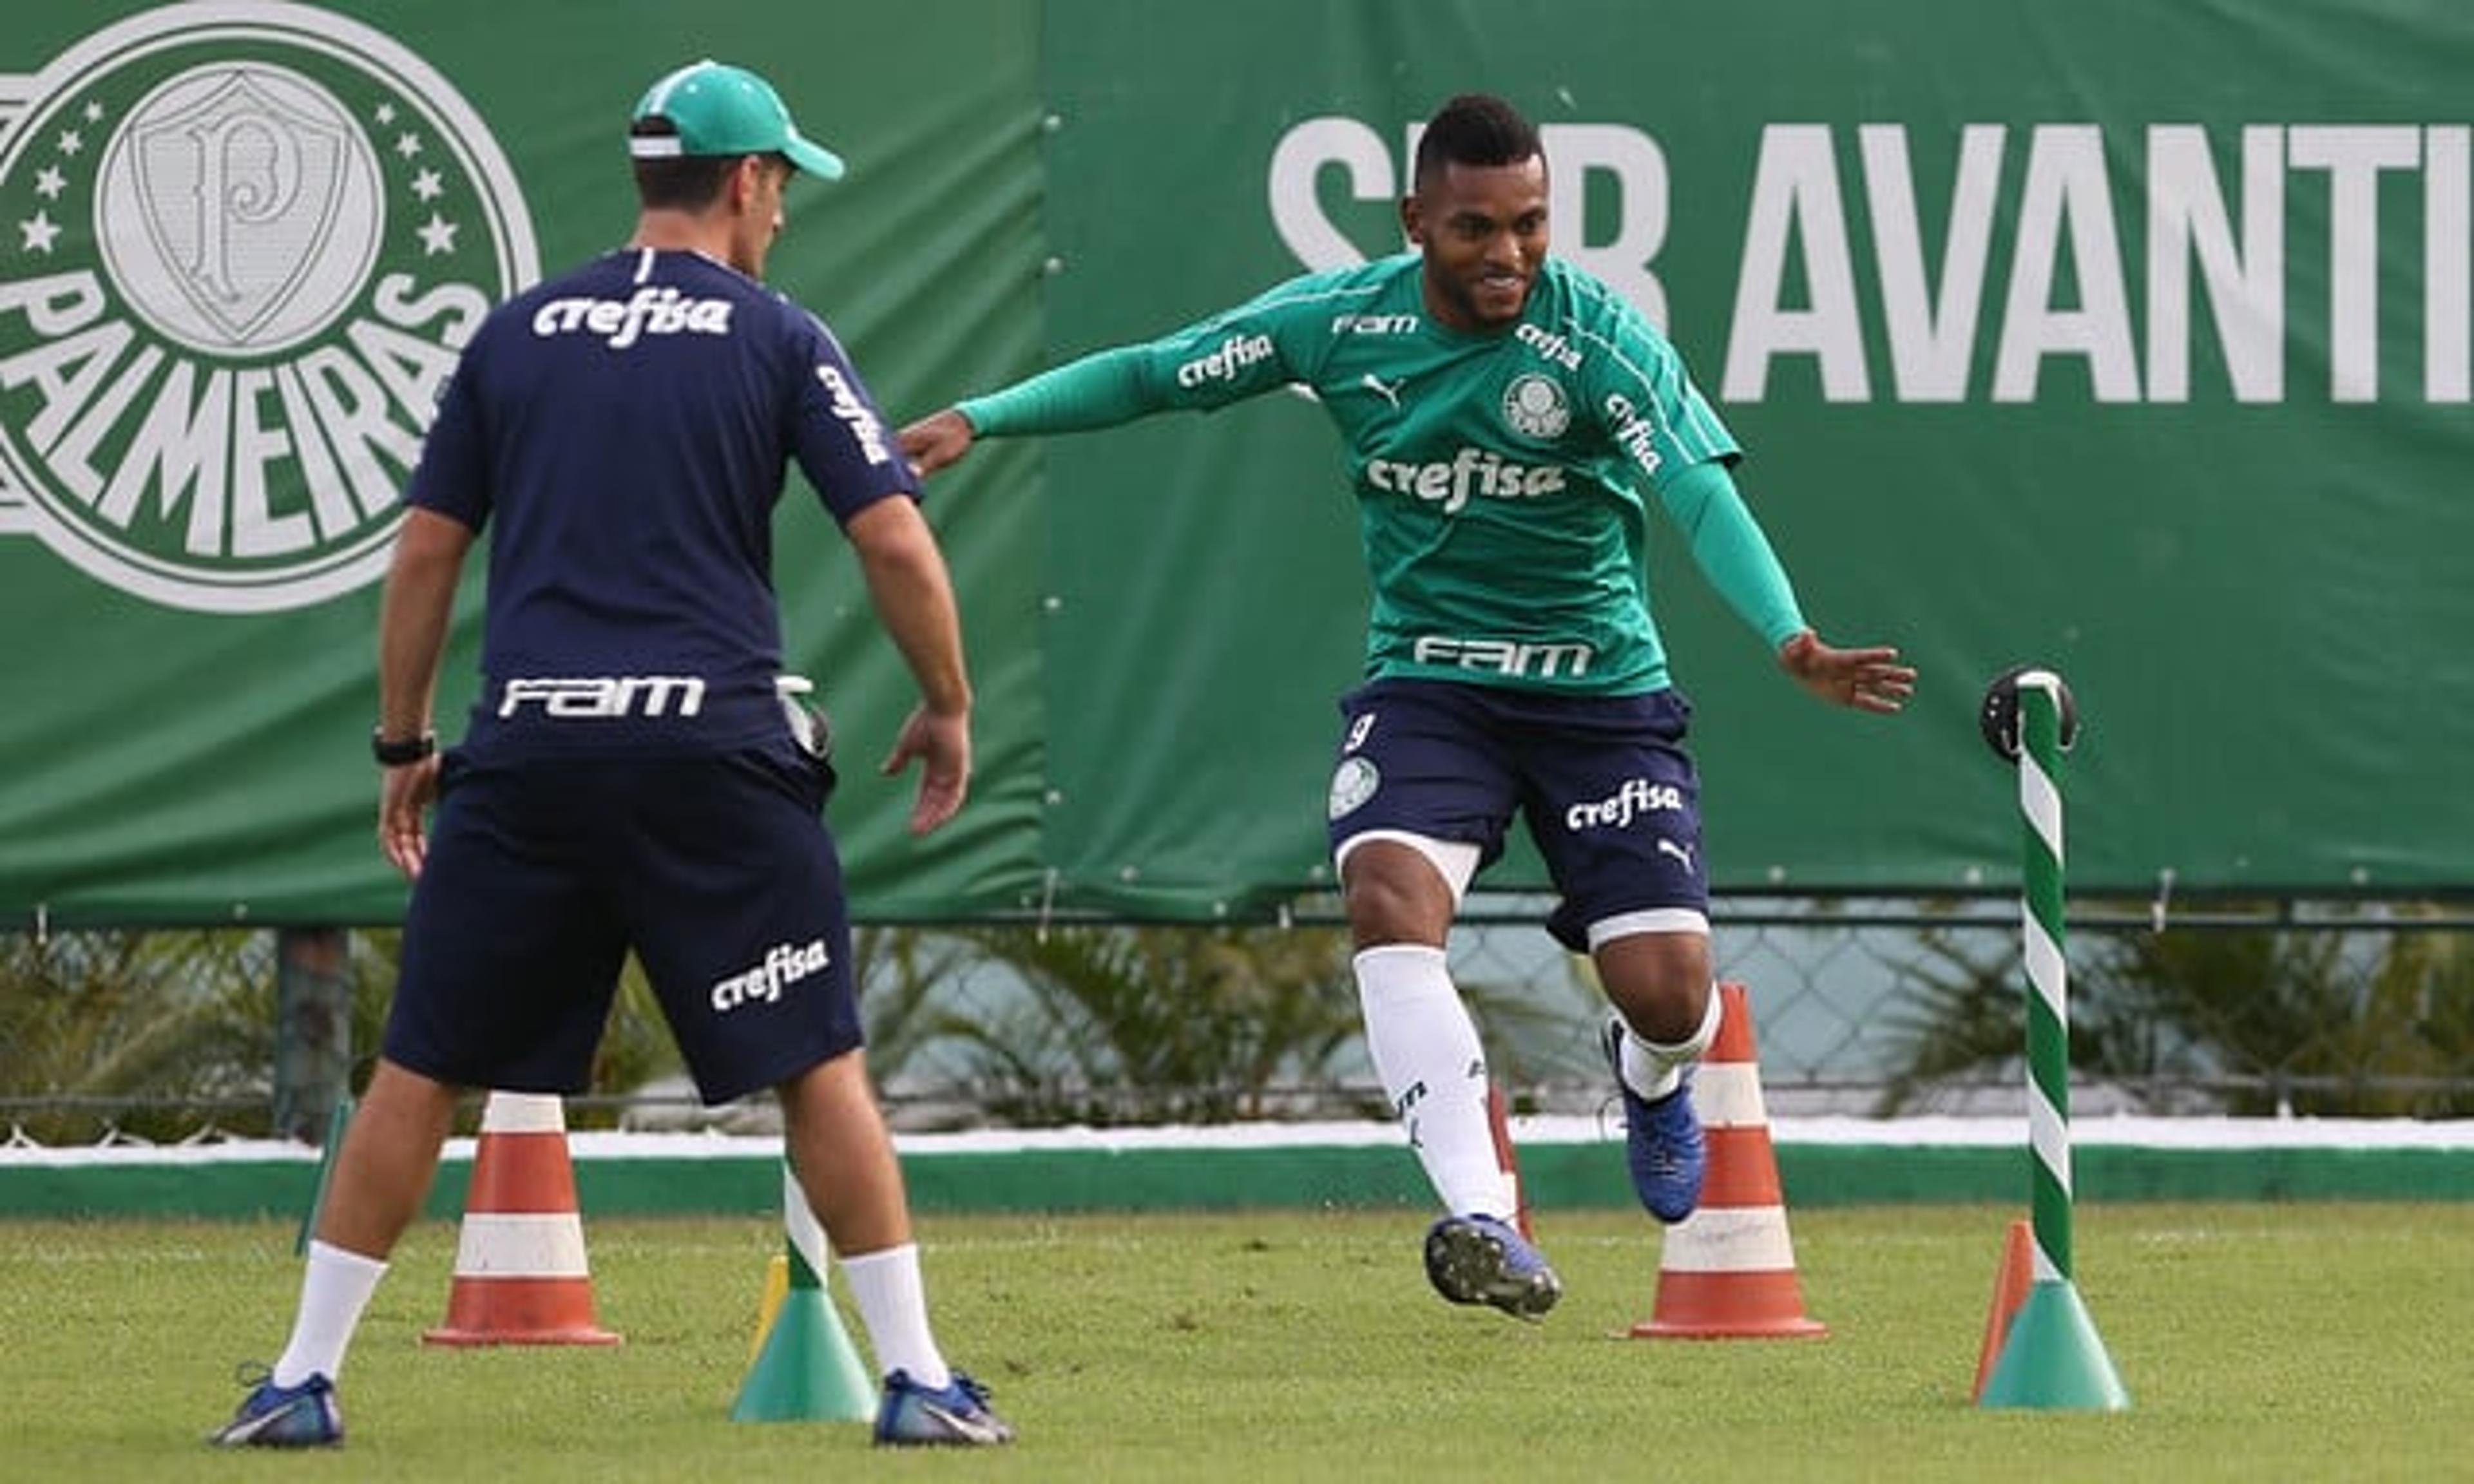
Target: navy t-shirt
623,433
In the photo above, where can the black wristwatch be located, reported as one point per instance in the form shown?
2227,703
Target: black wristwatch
401,752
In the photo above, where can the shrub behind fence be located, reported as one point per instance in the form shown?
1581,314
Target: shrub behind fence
1867,1007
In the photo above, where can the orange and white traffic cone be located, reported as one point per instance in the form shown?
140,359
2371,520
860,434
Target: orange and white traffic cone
521,1276
2011,1282
1728,1270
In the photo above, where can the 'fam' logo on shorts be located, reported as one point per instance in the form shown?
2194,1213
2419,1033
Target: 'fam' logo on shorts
241,245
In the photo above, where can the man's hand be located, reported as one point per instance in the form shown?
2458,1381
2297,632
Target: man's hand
941,742
1868,680
936,441
403,794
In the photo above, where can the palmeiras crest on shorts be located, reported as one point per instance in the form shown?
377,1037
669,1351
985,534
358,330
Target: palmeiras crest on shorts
242,244
1534,406
1353,783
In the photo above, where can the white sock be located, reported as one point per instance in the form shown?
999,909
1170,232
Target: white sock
893,1304
1426,1052
334,1290
1653,1069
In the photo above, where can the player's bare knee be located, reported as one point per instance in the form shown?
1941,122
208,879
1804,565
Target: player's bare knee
1658,980
1403,888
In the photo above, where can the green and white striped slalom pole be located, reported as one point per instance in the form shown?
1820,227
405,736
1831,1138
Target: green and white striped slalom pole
2042,932
2052,1358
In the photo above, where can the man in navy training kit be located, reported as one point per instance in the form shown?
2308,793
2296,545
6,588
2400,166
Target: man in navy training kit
630,777
1509,421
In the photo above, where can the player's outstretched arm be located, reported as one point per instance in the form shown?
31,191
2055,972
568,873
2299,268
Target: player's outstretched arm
1098,391
936,441
1868,680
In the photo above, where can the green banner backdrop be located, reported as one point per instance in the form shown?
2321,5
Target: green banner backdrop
2127,338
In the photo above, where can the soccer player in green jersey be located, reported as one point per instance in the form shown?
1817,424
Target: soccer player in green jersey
1510,423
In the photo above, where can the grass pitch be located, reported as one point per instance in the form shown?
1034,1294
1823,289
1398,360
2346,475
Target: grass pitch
2256,1341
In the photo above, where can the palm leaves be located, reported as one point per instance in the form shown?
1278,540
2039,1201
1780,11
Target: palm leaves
152,1034
134,1032
1117,1024
2360,1018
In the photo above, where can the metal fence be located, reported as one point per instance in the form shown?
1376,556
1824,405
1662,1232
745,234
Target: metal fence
1868,1007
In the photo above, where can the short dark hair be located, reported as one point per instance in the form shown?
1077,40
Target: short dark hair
677,183
1475,129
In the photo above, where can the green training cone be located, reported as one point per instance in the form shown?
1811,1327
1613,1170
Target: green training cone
808,1370
2053,1359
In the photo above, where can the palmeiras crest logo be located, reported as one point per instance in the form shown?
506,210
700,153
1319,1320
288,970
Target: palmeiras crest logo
241,245
1534,407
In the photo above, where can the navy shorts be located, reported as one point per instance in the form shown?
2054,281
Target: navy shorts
542,874
1603,781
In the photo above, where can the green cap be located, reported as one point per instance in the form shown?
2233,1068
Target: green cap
722,110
